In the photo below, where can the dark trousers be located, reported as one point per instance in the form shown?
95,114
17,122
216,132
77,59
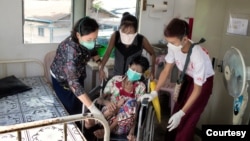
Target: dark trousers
185,130
69,100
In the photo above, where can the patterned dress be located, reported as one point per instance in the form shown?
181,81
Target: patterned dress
126,114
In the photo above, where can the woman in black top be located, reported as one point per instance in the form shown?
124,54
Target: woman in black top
127,43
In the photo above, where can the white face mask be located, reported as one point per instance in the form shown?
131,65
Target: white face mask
174,47
127,39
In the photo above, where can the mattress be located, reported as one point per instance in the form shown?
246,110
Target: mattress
39,103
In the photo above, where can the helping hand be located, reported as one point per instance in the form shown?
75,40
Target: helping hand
92,108
175,119
103,73
150,96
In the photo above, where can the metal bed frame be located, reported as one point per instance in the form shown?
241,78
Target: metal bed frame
60,120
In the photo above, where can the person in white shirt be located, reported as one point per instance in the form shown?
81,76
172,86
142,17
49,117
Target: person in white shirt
196,87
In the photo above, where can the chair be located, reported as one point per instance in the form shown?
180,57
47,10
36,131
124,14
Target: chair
48,59
170,83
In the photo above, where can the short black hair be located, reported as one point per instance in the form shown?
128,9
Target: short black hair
84,26
176,28
129,20
140,60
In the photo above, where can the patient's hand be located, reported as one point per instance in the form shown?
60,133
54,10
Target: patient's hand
111,106
131,137
120,102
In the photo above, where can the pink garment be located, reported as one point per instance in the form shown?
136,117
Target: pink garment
186,128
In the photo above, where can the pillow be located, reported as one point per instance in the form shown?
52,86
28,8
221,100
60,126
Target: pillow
11,85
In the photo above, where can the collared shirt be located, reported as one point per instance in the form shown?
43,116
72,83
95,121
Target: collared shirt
69,65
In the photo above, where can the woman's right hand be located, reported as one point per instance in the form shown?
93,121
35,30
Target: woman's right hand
103,73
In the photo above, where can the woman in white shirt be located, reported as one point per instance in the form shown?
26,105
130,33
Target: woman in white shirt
198,81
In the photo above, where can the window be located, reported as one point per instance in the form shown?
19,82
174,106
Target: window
46,21
108,14
40,31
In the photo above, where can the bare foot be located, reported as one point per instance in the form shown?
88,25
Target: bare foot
99,133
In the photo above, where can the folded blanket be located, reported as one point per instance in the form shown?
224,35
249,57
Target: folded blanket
11,85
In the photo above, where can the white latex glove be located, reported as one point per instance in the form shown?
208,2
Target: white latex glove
175,119
92,108
150,96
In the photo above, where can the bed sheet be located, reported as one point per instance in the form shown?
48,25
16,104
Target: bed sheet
39,103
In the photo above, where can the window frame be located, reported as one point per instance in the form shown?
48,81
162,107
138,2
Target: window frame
73,2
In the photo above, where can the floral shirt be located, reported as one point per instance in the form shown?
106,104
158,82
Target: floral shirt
69,64
126,113
113,87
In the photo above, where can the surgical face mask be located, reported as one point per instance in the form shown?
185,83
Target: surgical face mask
89,45
174,47
127,39
133,75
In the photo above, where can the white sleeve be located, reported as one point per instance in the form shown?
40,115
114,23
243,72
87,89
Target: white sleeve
170,56
199,73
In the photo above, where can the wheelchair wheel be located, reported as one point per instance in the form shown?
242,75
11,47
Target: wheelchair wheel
148,131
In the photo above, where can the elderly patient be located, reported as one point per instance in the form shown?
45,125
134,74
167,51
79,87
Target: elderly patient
119,99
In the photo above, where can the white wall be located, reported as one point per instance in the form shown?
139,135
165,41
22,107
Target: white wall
211,23
153,22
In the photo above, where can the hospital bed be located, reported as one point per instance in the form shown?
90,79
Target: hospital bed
37,114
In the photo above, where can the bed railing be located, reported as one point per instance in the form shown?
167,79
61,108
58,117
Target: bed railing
66,119
6,67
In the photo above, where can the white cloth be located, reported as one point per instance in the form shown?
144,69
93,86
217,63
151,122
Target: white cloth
150,96
199,67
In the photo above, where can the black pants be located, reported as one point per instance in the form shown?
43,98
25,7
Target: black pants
71,103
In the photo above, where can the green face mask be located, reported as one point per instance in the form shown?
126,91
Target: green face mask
133,75
89,45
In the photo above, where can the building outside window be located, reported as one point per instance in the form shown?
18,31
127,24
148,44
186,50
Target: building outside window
46,21
50,21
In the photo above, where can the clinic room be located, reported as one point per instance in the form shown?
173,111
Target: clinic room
124,70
